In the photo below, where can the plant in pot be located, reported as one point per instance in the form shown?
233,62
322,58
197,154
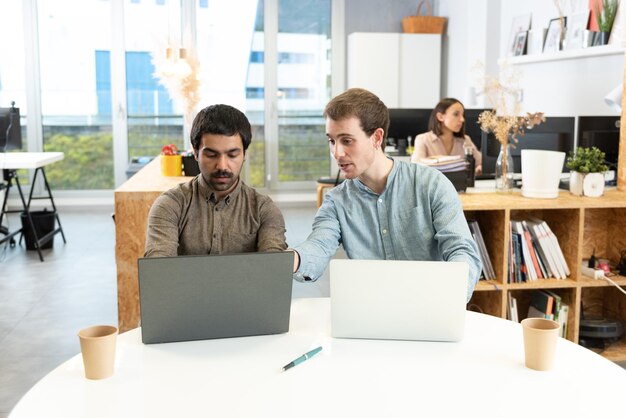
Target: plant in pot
605,16
587,172
171,161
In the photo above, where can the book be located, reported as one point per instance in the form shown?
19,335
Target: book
488,271
541,258
545,244
563,316
557,246
438,159
526,259
531,251
541,302
512,305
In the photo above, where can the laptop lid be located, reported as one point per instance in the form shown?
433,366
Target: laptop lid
214,296
399,300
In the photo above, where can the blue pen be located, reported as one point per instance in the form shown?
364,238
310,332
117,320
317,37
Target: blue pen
302,358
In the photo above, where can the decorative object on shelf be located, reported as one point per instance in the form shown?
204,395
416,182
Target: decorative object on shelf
605,16
171,161
520,44
554,36
504,169
503,95
426,23
587,175
576,27
535,40
541,173
520,23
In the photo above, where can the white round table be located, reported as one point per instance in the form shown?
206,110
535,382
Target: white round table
483,375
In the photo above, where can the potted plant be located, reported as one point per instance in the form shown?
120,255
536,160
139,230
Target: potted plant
587,175
604,17
171,161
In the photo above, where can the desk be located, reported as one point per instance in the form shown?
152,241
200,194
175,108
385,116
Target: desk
11,162
483,375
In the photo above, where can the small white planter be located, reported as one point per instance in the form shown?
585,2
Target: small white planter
590,184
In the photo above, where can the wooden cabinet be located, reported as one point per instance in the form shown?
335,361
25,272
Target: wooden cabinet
581,225
404,70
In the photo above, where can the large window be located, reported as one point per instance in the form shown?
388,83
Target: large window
70,33
98,63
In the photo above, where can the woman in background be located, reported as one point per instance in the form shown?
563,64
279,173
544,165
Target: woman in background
446,135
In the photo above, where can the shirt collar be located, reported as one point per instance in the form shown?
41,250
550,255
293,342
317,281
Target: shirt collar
208,193
390,177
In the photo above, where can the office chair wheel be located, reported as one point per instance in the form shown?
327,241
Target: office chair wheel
12,243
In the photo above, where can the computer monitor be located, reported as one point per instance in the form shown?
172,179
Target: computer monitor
555,134
601,132
10,129
407,122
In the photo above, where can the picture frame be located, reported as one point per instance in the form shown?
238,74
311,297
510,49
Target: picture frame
553,35
520,44
575,30
534,41
520,23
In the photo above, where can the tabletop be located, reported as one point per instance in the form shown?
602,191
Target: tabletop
483,375
28,160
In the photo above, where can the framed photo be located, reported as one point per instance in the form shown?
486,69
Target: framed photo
534,41
553,36
520,24
520,44
576,26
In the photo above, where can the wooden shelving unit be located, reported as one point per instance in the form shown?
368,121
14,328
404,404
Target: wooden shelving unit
581,225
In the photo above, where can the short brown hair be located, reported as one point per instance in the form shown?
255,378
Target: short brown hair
436,126
362,104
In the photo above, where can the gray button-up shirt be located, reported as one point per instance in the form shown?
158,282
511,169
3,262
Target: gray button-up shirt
417,217
187,220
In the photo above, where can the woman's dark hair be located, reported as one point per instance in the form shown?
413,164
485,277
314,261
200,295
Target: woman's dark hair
435,125
220,119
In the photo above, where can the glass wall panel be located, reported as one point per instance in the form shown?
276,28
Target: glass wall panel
303,88
154,119
72,34
12,66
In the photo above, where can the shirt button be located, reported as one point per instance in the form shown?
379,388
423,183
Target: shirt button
214,235
380,200
384,231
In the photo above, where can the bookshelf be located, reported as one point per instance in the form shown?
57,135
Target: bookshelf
580,224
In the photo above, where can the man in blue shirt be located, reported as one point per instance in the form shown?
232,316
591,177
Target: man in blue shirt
385,209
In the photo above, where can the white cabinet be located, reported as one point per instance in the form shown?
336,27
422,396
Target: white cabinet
404,70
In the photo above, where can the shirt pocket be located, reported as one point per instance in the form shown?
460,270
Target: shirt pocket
240,242
413,233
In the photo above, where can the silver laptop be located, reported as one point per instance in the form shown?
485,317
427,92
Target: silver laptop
214,296
398,300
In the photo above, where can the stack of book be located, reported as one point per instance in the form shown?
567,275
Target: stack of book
445,163
488,271
534,252
547,304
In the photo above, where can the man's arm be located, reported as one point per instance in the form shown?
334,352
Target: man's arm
162,231
313,255
271,233
452,232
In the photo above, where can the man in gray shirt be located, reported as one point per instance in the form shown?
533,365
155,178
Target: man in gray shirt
215,212
385,209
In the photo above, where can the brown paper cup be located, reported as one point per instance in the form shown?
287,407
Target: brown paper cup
97,344
540,342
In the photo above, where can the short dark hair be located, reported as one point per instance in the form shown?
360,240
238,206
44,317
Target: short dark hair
362,104
220,119
435,125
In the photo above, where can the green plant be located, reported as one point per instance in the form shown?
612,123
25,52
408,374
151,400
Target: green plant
586,160
606,16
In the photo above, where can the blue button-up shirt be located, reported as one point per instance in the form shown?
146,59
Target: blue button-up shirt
418,216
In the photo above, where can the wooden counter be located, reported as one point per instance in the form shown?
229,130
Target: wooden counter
133,200
582,224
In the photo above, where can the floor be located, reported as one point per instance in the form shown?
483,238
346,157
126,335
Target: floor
44,304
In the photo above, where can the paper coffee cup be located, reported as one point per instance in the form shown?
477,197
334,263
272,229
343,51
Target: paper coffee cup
97,345
540,337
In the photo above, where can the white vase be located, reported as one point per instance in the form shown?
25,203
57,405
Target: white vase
541,173
590,184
